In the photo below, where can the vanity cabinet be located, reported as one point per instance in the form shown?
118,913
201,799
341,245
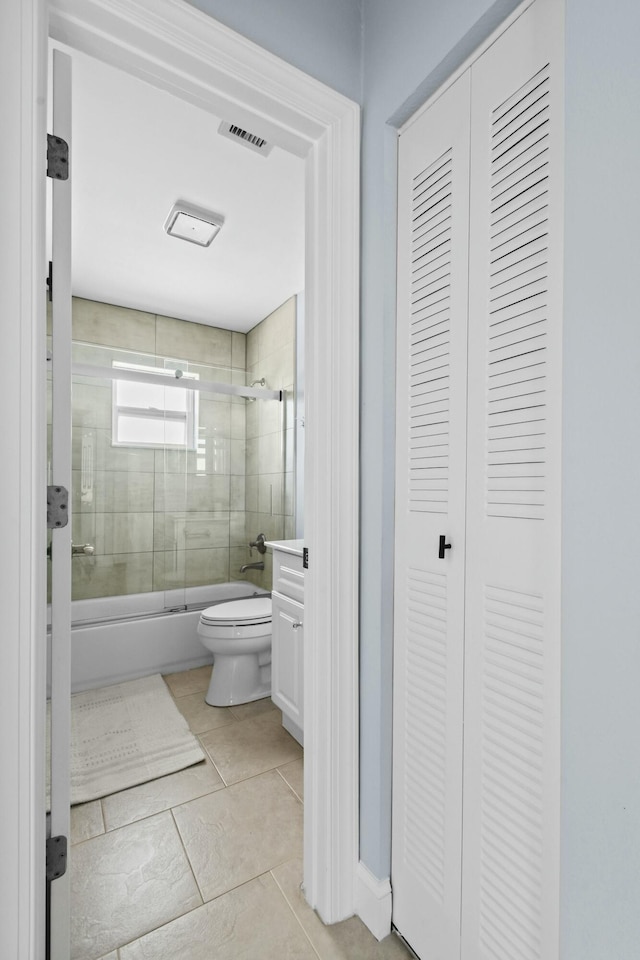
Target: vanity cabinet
287,643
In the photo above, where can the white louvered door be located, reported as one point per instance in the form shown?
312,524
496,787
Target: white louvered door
433,214
475,861
512,643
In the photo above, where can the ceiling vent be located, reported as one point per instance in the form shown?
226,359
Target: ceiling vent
250,140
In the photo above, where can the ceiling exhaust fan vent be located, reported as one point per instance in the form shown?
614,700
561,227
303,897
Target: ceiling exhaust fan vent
250,140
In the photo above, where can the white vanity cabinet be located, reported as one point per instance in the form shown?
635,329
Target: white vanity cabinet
287,642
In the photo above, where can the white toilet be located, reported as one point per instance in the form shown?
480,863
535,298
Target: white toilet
238,633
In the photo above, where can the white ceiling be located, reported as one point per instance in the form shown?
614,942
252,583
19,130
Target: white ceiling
135,151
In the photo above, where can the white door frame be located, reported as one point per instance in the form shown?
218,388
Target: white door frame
178,48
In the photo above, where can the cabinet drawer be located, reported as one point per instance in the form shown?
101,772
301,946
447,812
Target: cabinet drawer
288,575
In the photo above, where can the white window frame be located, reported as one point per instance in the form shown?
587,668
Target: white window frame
190,417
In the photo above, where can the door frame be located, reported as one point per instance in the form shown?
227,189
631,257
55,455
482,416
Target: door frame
178,48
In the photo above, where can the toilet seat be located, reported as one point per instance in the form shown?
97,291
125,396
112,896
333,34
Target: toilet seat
246,612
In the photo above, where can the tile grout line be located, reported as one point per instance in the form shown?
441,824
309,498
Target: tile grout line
296,917
193,874
296,795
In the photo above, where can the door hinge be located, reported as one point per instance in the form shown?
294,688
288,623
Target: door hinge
56,857
57,158
50,281
57,507
305,557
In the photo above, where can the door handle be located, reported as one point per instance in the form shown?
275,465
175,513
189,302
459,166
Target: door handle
442,547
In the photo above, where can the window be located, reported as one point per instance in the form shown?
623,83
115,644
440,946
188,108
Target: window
148,414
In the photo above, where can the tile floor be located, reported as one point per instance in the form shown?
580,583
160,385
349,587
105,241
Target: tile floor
206,863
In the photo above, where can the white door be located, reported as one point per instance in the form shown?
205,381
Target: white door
433,206
60,477
512,645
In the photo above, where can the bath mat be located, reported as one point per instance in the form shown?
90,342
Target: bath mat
127,734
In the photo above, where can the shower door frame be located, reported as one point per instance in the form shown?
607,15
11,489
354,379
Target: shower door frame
181,50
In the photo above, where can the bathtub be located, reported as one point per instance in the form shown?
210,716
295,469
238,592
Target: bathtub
121,638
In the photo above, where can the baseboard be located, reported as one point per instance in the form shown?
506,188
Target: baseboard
373,901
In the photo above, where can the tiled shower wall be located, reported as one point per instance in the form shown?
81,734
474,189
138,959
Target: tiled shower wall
156,522
270,434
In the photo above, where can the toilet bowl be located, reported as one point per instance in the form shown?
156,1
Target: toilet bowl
238,634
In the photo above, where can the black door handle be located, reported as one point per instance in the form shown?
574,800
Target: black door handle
443,546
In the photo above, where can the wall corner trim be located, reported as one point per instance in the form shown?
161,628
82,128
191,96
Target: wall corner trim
373,901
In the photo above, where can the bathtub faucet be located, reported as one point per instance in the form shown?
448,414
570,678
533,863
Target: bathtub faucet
252,566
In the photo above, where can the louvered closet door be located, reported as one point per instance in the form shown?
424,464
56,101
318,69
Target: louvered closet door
512,646
430,501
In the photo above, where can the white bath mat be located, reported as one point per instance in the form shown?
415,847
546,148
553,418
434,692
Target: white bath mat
127,734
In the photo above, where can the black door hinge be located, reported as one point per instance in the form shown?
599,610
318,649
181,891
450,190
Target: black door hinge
57,158
305,557
57,507
56,857
50,281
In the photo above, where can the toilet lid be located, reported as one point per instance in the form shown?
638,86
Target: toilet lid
247,611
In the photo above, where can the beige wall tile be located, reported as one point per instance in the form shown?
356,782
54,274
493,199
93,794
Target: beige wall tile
114,492
271,417
237,459
237,556
174,492
253,347
214,418
270,494
114,532
107,457
270,455
277,366
107,324
279,327
252,494
173,569
252,412
91,405
111,576
237,532
238,421
239,350
190,531
237,493
193,341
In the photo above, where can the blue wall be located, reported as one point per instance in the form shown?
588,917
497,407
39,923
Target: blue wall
321,37
600,897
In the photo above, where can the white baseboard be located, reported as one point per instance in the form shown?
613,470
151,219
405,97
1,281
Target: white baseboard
373,901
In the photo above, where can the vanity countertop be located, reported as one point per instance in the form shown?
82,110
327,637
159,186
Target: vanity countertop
287,546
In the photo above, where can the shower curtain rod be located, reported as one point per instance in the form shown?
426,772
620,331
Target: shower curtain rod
203,386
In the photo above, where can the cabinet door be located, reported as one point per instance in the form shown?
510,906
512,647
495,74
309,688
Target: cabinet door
512,645
287,649
433,203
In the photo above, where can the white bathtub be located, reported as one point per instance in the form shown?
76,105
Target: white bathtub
121,638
